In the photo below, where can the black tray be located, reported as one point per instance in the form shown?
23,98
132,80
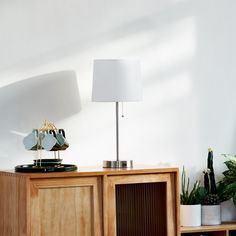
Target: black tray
43,168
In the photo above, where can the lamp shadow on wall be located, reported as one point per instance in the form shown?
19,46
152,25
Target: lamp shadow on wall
26,104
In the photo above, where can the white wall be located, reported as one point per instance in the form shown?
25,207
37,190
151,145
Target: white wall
187,49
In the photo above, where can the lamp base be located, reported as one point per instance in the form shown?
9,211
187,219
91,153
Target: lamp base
118,164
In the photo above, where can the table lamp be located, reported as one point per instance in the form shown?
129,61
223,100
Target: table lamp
116,80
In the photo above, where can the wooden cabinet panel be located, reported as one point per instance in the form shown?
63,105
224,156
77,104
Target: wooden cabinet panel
137,191
66,207
13,205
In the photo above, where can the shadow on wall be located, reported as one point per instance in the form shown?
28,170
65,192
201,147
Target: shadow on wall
26,104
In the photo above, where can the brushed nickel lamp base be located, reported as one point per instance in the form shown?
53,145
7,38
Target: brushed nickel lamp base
118,164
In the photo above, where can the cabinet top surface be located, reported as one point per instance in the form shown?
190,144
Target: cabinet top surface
94,171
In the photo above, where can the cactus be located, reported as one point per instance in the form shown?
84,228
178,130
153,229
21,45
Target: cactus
212,197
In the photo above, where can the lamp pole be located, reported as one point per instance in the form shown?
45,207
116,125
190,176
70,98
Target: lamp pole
117,131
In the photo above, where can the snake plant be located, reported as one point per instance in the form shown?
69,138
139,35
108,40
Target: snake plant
187,196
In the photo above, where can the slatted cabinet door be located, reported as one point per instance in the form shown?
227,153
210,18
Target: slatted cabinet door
66,207
138,205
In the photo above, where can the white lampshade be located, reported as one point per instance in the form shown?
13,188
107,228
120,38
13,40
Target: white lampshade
116,80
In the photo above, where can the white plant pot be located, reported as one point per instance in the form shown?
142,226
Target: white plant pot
190,215
228,211
211,215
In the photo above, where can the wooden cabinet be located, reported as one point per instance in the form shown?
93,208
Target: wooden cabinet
226,229
90,202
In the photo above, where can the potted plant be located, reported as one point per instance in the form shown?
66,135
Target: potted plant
227,189
211,202
190,208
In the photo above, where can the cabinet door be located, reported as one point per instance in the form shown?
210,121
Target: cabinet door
66,207
137,205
